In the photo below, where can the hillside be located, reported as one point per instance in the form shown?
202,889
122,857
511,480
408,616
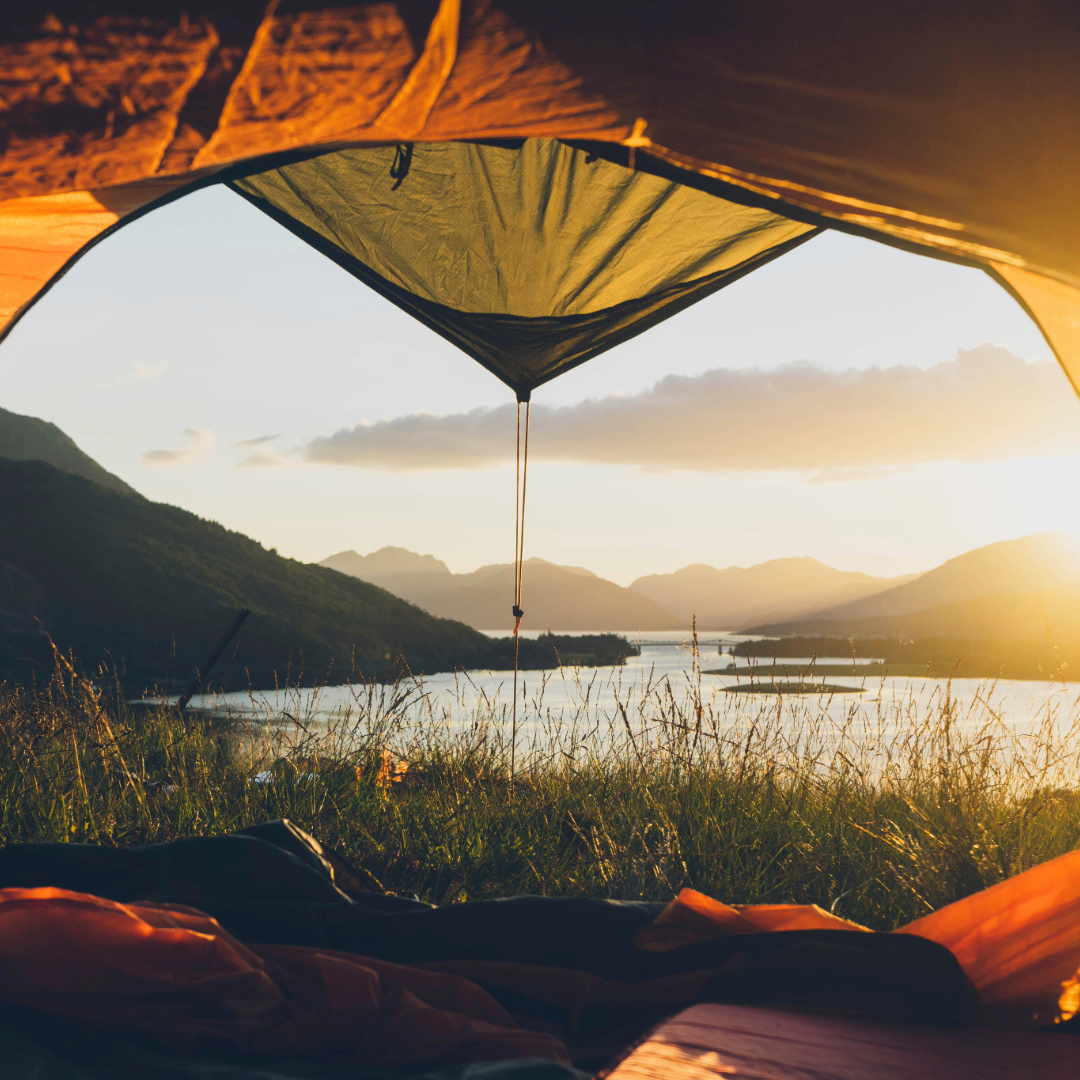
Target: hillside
26,438
778,589
1051,614
1016,567
111,575
555,597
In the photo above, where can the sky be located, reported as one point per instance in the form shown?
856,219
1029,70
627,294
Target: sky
876,410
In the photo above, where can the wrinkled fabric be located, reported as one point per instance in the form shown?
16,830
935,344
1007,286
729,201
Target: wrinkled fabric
42,1046
531,259
693,917
1019,942
172,973
945,128
567,966
595,973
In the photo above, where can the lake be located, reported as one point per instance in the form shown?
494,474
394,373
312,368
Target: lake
667,670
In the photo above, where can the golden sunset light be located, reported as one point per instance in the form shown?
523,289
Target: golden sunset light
539,541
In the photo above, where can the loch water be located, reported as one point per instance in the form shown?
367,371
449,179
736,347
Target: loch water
669,669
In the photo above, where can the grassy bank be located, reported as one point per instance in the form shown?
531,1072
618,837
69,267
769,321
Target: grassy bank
636,793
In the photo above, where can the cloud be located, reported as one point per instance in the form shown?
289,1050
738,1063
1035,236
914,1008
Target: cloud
265,459
141,372
250,444
199,441
986,405
261,459
138,372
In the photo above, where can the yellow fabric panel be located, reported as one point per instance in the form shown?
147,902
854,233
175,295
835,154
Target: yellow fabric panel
536,232
1055,306
531,258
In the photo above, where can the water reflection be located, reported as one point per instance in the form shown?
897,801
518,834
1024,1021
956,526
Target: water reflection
671,675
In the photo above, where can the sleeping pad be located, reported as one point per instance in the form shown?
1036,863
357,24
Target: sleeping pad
304,965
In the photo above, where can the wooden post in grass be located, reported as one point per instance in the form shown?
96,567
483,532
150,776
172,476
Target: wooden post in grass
201,673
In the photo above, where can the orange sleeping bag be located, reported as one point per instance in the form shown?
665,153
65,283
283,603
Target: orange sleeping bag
172,972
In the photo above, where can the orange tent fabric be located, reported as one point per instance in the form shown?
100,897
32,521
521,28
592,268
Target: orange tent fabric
948,128
1018,941
693,916
173,973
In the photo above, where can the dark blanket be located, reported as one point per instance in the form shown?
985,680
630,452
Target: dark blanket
35,1046
273,884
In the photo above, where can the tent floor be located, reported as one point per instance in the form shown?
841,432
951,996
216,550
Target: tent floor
710,1042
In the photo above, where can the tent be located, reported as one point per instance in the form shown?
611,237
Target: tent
610,133
538,181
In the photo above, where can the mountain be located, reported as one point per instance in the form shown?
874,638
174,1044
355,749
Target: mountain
778,589
555,597
1043,616
152,587
387,562
977,594
402,572
26,438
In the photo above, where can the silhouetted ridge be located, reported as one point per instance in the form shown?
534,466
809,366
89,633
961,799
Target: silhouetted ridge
26,438
152,587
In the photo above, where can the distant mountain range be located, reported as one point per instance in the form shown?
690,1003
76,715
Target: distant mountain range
572,598
1013,591
778,589
556,597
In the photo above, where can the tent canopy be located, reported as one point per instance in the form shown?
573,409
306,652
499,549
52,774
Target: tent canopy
945,128
530,258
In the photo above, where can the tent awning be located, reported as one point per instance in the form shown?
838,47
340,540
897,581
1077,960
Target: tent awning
946,128
531,258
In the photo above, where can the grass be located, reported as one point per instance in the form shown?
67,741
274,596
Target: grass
880,814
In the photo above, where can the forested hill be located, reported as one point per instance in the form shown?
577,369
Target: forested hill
153,587
26,438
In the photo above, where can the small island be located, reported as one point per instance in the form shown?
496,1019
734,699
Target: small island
793,688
